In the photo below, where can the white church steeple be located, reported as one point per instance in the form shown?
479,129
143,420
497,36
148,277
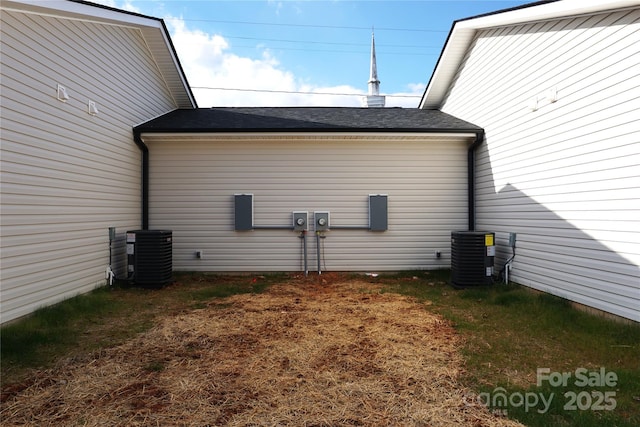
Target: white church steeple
374,99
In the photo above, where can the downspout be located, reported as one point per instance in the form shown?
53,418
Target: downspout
471,187
145,178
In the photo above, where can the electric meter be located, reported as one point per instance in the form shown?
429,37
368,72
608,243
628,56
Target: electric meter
300,220
321,220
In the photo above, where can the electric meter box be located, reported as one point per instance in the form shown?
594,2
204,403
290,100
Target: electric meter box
243,212
321,220
300,220
378,212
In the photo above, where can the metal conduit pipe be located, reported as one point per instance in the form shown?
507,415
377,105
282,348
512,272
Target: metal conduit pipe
303,236
318,252
272,227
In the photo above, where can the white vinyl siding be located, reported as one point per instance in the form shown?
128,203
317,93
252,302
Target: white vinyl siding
68,176
193,184
565,177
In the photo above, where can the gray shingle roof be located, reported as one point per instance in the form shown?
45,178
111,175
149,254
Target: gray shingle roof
300,119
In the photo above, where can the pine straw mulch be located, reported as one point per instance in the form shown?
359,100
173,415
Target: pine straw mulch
311,353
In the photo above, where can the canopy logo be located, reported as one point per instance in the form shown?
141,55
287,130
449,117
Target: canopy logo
594,397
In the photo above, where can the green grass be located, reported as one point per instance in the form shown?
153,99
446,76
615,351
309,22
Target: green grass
510,331
222,290
52,330
108,317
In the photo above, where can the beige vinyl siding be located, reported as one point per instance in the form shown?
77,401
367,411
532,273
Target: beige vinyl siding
566,177
193,184
68,176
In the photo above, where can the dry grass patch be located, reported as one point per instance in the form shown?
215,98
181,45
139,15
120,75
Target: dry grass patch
309,352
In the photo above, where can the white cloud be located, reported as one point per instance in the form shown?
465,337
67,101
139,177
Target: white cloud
408,99
416,88
277,4
209,63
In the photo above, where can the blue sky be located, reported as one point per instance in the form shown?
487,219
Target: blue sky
274,50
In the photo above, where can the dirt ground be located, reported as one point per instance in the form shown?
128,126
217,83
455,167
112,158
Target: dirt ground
314,353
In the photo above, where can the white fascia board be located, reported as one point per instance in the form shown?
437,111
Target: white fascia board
452,55
178,68
81,11
464,31
544,12
280,136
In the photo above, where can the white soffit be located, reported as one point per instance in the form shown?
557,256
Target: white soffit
80,11
463,32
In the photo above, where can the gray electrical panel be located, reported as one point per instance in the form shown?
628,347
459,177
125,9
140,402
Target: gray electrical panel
321,220
243,212
300,220
378,212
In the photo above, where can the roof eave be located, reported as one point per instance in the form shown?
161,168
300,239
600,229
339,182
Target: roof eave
177,81
142,130
470,135
464,31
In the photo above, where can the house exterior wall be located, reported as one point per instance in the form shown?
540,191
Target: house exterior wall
565,177
193,181
67,176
